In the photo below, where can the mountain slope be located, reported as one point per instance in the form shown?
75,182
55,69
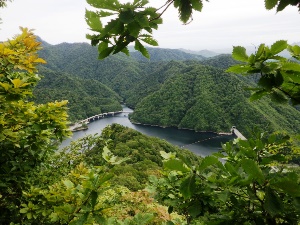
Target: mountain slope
86,97
207,99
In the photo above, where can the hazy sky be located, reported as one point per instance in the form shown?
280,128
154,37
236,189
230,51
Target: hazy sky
221,24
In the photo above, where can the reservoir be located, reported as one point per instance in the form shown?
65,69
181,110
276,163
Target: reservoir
201,143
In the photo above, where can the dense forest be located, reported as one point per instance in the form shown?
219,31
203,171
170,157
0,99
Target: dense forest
173,88
122,177
85,97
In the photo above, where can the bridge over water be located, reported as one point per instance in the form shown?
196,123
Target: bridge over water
95,117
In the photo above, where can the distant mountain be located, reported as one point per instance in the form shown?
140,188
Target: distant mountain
44,43
163,54
205,53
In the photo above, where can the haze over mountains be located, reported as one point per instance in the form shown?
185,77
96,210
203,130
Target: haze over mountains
173,88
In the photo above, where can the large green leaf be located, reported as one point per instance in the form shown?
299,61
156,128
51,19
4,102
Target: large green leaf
282,4
112,27
207,161
93,20
239,53
239,69
188,186
253,170
126,16
142,20
278,46
184,9
69,184
258,95
197,5
105,4
272,204
270,4
139,47
290,66
289,186
134,28
175,164
106,52
150,41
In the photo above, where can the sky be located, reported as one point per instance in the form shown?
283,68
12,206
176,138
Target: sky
221,24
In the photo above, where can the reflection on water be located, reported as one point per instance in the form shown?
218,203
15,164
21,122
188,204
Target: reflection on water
201,143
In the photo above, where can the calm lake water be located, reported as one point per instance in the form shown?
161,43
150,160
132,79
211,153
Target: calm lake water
201,143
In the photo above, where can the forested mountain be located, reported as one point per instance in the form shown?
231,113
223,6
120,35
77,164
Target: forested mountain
207,99
205,53
161,54
86,97
172,89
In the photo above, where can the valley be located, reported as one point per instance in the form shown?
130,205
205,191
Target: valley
172,89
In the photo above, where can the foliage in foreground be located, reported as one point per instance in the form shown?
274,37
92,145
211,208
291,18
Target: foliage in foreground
279,76
77,186
250,182
28,132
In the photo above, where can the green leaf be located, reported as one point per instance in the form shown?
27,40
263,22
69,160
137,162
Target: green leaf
197,5
177,165
29,215
270,4
125,51
290,66
112,27
239,69
142,20
282,4
278,47
82,219
207,161
102,46
278,96
139,47
69,184
106,52
289,186
105,4
68,208
239,53
94,196
134,29
260,51
143,218
92,19
272,204
126,16
24,210
185,10
194,210
188,186
165,155
252,169
258,95
150,41
104,13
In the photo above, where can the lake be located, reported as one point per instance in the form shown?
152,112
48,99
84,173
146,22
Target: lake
201,143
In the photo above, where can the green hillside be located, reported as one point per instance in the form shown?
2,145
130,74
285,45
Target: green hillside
172,89
207,99
86,97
